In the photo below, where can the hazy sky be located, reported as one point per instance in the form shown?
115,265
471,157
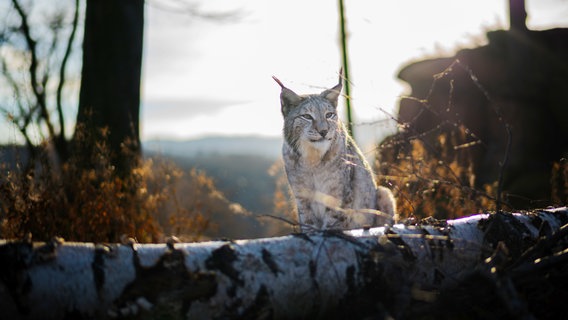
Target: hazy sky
213,77
210,77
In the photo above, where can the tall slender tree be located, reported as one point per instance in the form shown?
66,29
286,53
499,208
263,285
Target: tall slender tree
345,65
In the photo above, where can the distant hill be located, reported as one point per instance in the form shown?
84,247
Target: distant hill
225,145
238,165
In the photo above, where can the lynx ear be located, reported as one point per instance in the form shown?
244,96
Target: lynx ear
332,94
288,98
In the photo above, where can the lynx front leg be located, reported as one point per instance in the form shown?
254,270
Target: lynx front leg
305,218
386,203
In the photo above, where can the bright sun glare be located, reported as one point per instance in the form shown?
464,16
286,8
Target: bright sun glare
229,65
210,77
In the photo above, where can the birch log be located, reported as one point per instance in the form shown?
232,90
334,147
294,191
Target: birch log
400,271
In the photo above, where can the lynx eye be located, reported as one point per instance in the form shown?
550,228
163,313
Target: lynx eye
307,117
330,115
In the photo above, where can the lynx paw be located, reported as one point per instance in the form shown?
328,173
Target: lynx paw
386,201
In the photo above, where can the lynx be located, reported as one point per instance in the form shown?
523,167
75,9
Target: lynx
332,183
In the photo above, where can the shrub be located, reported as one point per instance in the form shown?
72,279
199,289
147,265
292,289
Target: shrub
95,204
434,180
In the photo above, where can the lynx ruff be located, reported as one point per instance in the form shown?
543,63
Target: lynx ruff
332,182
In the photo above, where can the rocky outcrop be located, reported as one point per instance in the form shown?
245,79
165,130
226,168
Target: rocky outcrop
519,79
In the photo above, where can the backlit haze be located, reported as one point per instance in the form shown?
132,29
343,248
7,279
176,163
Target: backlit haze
209,77
205,77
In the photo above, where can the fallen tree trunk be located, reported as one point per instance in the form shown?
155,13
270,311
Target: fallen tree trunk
404,271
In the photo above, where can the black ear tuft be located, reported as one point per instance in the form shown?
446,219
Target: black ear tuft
332,95
288,98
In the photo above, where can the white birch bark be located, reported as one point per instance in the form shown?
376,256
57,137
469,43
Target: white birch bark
328,274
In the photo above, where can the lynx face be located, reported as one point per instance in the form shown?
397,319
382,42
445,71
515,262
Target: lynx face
310,121
312,124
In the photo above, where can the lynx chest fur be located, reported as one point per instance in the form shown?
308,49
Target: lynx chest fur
333,185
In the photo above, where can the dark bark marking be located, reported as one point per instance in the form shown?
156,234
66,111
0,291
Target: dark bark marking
438,277
368,299
436,246
313,269
423,231
559,216
543,226
168,285
98,266
562,218
440,246
350,278
504,227
261,308
232,291
222,259
16,258
449,241
545,230
269,261
395,238
430,241
46,252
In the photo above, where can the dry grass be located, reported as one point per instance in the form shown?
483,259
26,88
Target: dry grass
434,180
96,204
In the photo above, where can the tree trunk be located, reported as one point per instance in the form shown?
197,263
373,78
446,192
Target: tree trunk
110,85
403,271
517,15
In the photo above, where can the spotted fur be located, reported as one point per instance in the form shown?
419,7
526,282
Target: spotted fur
333,184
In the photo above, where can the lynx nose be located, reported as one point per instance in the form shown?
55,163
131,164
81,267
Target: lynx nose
323,133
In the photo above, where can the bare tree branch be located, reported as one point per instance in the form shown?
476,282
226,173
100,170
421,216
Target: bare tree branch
37,86
62,77
24,117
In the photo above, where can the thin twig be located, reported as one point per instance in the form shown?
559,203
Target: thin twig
61,83
506,126
290,222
